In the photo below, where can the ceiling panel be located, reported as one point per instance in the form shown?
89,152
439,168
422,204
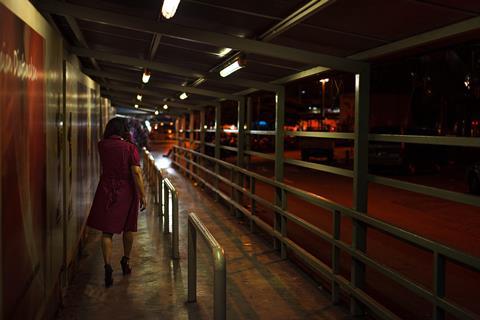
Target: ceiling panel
116,44
388,20
139,8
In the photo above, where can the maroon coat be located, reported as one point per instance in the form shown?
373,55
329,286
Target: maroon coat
116,203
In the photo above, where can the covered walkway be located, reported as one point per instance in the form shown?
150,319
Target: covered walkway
260,285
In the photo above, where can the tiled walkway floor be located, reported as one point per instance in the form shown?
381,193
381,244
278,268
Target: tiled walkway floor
259,284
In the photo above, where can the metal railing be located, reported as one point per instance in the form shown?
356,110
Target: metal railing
219,267
441,253
162,190
169,192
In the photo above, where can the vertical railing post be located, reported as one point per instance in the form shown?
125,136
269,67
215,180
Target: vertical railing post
240,150
252,203
175,226
220,286
202,140
219,267
360,182
218,132
233,192
162,197
248,123
336,220
192,263
283,224
279,163
191,127
166,212
159,191
438,284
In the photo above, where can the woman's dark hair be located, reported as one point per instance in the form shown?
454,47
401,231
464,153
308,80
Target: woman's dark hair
117,127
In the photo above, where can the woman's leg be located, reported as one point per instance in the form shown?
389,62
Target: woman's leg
107,247
127,243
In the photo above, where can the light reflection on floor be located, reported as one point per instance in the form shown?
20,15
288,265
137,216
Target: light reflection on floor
163,162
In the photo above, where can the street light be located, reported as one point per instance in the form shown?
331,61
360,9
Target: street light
323,81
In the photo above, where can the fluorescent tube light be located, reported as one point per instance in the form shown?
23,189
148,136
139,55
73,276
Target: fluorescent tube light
169,8
183,96
238,64
198,82
224,52
146,76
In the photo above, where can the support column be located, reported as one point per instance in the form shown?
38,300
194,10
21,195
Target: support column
202,131
248,122
191,138
239,179
280,222
360,181
202,141
218,132
241,133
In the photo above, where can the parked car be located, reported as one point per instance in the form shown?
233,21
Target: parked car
473,178
406,158
317,147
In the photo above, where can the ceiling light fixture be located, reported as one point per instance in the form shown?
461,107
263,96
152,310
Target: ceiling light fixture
231,68
224,52
136,106
165,106
146,76
198,82
183,96
139,97
156,112
169,8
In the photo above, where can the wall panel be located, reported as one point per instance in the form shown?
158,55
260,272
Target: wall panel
49,161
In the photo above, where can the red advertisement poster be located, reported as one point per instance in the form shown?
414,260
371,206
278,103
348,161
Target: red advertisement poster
22,103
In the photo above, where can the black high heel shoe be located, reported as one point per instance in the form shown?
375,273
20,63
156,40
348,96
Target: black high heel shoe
108,276
125,266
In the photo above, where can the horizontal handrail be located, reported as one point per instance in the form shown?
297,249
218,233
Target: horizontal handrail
160,188
321,134
436,248
219,267
421,139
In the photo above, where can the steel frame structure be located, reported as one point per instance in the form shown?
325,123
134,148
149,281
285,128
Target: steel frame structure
322,62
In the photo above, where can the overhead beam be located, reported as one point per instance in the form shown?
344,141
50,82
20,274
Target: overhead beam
168,86
151,93
198,35
127,104
117,58
168,68
151,101
450,31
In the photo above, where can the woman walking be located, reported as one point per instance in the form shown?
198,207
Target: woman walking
119,194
